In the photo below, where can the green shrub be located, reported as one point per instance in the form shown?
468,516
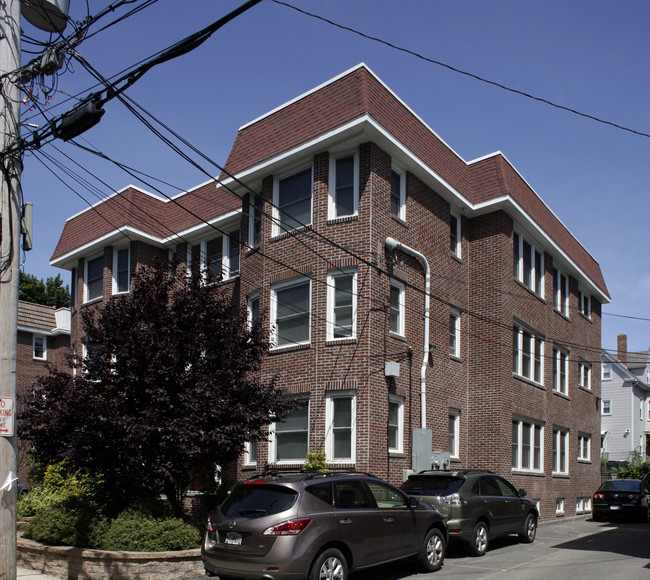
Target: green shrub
316,460
58,525
136,532
637,467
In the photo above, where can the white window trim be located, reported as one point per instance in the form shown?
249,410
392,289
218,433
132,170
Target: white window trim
86,298
331,295
606,372
249,309
252,209
584,296
329,424
456,314
522,424
560,283
226,273
533,354
44,337
273,452
536,277
584,447
602,407
559,506
115,272
457,249
402,307
248,448
277,228
274,311
560,362
561,444
455,413
584,375
399,401
401,213
331,211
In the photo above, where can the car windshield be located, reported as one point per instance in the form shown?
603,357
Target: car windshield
435,485
621,485
258,500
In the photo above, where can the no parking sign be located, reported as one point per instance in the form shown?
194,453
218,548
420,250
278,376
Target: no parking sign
6,416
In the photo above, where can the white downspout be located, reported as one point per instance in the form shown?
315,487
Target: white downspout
392,244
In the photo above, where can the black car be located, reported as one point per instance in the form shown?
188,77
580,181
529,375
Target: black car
319,525
618,498
478,505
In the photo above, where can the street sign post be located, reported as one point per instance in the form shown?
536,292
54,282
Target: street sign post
7,416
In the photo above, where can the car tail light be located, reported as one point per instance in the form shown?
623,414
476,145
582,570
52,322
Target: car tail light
288,528
599,495
209,526
453,499
633,496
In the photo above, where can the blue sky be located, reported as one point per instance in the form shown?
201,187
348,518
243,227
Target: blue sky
587,55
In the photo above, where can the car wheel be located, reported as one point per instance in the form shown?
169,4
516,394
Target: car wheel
530,529
432,552
329,565
479,542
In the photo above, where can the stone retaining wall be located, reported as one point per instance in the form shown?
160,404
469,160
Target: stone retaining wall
82,564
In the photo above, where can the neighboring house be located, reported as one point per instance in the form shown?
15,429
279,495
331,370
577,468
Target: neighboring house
43,338
416,302
625,403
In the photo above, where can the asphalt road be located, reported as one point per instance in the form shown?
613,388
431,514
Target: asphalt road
575,549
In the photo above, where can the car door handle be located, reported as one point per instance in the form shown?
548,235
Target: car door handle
346,521
389,520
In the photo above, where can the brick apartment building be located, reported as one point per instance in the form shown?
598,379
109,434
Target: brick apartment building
43,338
417,302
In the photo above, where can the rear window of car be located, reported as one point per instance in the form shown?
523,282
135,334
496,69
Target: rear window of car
258,500
435,485
621,485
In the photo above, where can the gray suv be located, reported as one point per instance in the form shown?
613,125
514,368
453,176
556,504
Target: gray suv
478,505
319,526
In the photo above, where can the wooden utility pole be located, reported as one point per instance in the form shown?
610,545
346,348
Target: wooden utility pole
10,214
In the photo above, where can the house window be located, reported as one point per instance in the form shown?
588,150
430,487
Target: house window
255,221
121,271
560,292
292,201
560,451
344,188
253,309
218,255
454,235
526,445
606,374
528,265
341,305
290,313
397,194
340,418
585,304
397,307
584,379
395,424
40,347
289,439
250,452
454,333
454,432
94,278
559,506
73,288
560,371
584,447
528,352
607,407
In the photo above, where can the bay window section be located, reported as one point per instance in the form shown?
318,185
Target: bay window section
344,188
94,279
290,313
292,201
341,305
121,271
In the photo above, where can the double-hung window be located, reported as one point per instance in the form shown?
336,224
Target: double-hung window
606,407
290,313
528,264
292,201
398,194
344,186
585,304
454,432
94,279
289,439
397,307
528,353
218,255
527,448
454,235
584,377
255,221
560,292
395,424
121,271
341,304
560,371
340,424
606,372
560,451
584,447
250,452
253,304
39,344
454,333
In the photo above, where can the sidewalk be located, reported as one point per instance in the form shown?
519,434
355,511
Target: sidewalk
27,574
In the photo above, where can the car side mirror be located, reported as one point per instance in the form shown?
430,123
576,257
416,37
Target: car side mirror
522,493
413,502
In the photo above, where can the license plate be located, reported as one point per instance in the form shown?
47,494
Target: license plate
233,538
614,507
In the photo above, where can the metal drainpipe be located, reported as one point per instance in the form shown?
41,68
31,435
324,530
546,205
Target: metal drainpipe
392,244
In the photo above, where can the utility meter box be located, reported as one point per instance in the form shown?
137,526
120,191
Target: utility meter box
421,450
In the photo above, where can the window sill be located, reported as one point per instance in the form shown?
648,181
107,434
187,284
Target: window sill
93,301
587,318
561,395
586,390
565,316
584,461
456,257
399,220
289,348
340,341
528,381
342,219
455,358
286,234
397,336
560,475
516,471
531,291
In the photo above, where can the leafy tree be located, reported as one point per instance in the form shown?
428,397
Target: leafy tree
169,384
51,292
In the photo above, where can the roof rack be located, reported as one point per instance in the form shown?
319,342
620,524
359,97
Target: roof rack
278,474
457,471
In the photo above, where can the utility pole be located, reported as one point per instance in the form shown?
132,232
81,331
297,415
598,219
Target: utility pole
10,213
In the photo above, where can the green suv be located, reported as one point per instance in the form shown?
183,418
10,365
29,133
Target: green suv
478,505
